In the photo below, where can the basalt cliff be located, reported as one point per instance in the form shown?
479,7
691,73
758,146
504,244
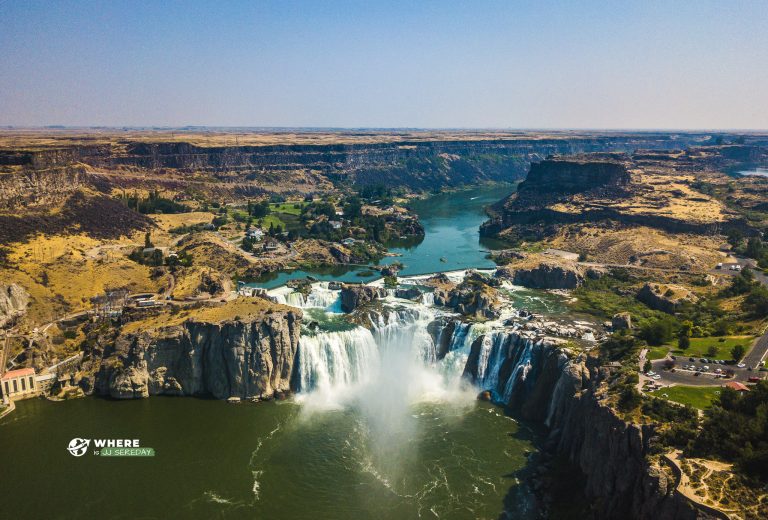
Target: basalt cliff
230,351
417,161
546,383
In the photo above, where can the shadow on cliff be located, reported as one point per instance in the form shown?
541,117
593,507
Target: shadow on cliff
551,485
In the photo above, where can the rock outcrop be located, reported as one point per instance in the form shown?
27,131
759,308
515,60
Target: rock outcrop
621,321
665,297
549,275
546,383
250,358
13,303
354,296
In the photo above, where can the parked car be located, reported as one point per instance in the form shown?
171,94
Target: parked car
754,379
719,265
741,365
657,376
691,359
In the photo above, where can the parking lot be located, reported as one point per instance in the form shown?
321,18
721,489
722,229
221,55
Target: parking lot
701,372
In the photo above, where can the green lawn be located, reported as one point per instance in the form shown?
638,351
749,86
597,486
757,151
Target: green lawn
288,207
700,346
700,397
266,221
657,352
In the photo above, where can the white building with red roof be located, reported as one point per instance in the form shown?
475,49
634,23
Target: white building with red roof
18,384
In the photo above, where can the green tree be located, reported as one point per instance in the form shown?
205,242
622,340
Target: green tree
737,352
657,332
147,240
711,351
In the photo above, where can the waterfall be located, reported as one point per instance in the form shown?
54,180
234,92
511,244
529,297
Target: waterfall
330,363
320,297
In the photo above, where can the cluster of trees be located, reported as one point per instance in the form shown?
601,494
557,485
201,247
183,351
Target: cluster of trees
258,209
752,247
153,203
736,429
756,301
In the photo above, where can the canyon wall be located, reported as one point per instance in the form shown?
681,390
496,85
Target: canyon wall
546,384
238,358
419,165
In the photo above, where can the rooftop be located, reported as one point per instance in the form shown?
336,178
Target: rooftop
19,373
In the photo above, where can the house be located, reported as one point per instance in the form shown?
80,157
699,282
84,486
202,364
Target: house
270,245
335,224
348,241
255,234
735,385
19,383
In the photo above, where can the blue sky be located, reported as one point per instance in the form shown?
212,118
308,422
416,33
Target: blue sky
501,64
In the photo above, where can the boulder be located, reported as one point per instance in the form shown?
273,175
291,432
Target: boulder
353,296
408,293
621,320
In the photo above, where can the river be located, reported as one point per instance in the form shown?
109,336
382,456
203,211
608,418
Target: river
388,434
451,239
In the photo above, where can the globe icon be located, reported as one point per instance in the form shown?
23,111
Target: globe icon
77,447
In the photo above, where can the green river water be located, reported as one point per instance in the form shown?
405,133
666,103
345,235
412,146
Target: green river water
276,460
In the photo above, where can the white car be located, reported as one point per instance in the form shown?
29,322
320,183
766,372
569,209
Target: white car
657,376
705,367
741,365
718,370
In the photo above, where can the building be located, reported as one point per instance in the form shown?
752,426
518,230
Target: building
256,234
735,385
348,241
18,384
335,224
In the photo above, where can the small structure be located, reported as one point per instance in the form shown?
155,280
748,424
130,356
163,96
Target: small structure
348,241
19,384
270,245
335,224
255,234
735,385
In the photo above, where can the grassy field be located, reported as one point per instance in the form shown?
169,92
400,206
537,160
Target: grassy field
700,397
700,347
288,207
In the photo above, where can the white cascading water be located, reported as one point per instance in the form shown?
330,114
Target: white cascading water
387,371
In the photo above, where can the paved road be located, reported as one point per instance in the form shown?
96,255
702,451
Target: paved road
686,377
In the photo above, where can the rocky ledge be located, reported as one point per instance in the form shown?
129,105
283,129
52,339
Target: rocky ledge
249,355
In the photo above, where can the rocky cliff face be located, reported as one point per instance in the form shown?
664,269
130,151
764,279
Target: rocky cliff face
13,303
237,358
576,174
40,186
547,384
421,165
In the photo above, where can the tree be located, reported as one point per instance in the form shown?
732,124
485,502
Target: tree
737,352
657,332
147,240
755,248
684,335
757,301
648,366
711,351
